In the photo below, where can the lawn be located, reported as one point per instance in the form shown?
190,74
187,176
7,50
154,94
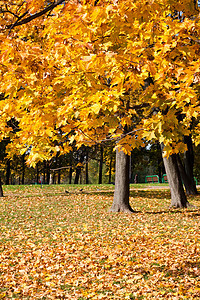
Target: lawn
66,245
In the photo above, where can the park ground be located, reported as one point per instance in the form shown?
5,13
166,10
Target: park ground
60,242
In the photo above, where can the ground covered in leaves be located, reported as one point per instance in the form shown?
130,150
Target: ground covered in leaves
66,245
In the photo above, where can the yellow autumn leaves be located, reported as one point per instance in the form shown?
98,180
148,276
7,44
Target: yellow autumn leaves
83,70
56,245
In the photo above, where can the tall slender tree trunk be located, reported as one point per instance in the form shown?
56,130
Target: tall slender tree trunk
189,165
160,162
178,197
37,174
130,171
1,189
54,177
78,173
44,171
8,172
101,165
59,176
70,175
110,171
121,194
188,182
23,168
86,170
51,178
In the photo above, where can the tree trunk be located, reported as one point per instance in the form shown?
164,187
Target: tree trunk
101,165
37,174
1,189
178,197
59,176
121,194
110,171
189,184
78,173
86,170
70,175
8,172
51,179
23,168
44,172
160,163
189,165
54,178
48,174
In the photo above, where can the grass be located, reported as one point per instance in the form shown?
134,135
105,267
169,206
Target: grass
58,245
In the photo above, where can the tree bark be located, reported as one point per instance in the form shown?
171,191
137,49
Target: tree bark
160,163
70,175
23,168
189,165
8,172
178,197
37,174
59,176
1,189
101,165
44,172
78,173
51,179
121,194
86,170
188,182
110,171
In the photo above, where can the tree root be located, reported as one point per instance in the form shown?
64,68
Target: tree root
124,209
188,205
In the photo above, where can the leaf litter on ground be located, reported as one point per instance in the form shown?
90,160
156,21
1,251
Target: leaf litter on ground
57,246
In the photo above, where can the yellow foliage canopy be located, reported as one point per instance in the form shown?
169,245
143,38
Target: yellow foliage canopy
89,71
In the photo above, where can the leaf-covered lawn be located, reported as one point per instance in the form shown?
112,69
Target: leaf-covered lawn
58,245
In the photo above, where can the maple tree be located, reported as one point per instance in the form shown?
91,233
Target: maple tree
89,71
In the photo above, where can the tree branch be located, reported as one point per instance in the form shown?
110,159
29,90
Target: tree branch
34,16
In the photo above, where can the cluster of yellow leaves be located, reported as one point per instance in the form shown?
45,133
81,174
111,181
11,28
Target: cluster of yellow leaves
82,71
69,247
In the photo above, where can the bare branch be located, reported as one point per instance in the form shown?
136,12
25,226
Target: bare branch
68,167
112,138
34,16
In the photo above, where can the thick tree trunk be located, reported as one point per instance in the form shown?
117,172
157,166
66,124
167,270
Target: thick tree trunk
188,182
101,165
121,194
1,189
178,197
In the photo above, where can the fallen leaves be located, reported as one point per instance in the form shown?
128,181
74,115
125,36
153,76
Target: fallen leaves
70,247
